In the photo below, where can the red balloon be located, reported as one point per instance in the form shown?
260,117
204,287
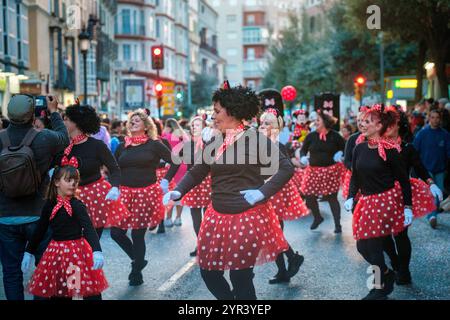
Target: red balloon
289,93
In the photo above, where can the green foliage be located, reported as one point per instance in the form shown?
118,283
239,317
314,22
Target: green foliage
202,88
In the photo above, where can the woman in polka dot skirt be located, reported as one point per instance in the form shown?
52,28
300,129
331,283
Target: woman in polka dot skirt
139,158
71,264
322,176
100,196
287,202
198,198
240,228
424,192
385,207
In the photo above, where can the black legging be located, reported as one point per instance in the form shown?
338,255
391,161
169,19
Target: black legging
99,232
242,281
196,214
398,249
280,258
311,202
372,252
134,247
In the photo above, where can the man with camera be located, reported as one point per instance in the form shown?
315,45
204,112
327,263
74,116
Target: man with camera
25,158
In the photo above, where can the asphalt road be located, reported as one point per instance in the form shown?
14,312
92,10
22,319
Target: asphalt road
333,269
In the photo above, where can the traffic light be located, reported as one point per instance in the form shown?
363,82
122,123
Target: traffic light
360,83
159,89
157,57
179,95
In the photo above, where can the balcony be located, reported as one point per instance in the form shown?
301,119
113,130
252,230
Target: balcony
66,80
255,35
207,47
141,66
254,68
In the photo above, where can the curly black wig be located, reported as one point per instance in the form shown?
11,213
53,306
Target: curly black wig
328,121
240,102
85,117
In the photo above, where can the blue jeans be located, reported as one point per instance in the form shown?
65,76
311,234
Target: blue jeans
438,179
13,241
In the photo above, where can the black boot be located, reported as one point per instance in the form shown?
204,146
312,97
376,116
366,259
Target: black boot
338,229
135,277
294,264
280,277
316,223
389,280
403,277
193,253
376,294
161,228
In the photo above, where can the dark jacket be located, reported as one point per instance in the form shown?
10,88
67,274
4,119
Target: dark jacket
45,146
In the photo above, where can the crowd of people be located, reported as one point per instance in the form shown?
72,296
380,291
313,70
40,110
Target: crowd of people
69,174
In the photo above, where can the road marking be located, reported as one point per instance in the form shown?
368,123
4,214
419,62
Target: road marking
173,279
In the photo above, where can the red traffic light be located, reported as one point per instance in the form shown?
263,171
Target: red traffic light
157,51
157,57
159,87
360,81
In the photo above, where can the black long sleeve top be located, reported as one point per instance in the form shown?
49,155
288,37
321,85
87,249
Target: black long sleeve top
65,227
412,160
91,156
372,175
349,147
322,152
162,163
138,164
244,165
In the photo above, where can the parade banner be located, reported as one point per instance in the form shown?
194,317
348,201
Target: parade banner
168,101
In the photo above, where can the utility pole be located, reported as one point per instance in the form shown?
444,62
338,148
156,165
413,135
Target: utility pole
382,89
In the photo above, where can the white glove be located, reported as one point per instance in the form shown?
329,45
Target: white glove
304,160
252,196
348,205
99,261
436,192
408,216
164,185
171,195
338,156
113,194
207,134
26,261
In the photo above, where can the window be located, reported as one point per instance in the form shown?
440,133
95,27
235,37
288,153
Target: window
231,35
251,84
142,24
232,52
231,18
251,20
157,28
126,21
135,22
126,52
233,3
311,24
251,54
144,54
231,68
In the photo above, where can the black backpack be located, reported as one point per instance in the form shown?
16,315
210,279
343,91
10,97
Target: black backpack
19,175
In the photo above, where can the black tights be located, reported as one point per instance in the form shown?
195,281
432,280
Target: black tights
99,232
280,258
311,202
134,247
242,281
398,249
372,252
196,214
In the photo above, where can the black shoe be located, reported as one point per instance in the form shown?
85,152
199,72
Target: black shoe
376,294
389,280
294,265
136,279
193,253
338,229
433,222
316,223
161,228
137,268
280,277
151,229
403,278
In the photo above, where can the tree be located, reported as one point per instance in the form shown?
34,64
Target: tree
424,22
202,88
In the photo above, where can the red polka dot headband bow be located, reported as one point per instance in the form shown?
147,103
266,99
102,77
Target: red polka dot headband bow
272,111
61,202
73,162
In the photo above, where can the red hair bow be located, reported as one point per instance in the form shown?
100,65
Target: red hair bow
272,111
226,85
73,162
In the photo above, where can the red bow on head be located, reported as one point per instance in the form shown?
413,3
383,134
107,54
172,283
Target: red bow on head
272,111
269,102
61,202
226,85
73,162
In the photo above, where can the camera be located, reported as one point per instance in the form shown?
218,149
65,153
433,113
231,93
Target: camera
41,106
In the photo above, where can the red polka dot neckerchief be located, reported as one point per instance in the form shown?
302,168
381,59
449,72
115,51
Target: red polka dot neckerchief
61,202
230,138
385,143
73,142
137,140
323,134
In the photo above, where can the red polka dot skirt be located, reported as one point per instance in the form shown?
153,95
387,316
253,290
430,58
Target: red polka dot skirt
103,213
239,241
288,204
160,174
145,206
298,177
379,215
346,183
322,181
423,200
200,196
65,270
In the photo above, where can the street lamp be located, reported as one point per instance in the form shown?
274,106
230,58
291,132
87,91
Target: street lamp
85,43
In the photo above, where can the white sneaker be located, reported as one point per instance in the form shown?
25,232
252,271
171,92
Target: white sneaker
168,223
178,222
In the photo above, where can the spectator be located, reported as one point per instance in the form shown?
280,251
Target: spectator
433,145
117,136
346,131
445,123
103,135
417,122
19,215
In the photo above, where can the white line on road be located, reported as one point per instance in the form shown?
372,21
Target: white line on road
173,279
